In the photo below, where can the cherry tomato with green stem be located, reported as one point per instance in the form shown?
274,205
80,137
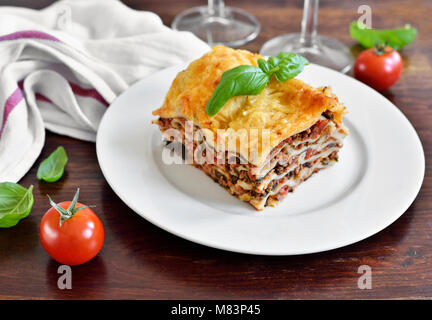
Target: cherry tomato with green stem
71,233
379,67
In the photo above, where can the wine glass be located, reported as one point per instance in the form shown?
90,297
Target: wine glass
317,49
218,24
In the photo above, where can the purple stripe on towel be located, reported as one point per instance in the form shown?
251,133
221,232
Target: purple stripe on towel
11,102
28,34
89,93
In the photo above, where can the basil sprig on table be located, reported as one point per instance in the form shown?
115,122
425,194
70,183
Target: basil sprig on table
52,168
15,203
395,38
250,80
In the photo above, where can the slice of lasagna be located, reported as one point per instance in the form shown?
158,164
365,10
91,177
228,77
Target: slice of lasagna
259,148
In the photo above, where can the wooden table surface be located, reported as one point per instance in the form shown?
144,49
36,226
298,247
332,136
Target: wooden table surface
141,261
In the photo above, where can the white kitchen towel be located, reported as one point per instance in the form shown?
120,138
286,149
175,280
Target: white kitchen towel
62,66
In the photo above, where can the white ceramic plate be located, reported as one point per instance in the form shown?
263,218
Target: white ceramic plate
378,176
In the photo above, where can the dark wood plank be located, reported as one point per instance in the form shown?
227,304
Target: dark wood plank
139,260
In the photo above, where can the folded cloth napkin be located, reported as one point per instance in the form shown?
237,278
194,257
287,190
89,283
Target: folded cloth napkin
62,66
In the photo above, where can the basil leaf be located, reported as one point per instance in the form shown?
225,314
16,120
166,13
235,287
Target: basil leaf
250,80
15,203
273,62
395,38
242,80
290,65
264,65
52,168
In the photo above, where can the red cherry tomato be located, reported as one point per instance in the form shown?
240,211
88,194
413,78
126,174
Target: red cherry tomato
378,67
79,238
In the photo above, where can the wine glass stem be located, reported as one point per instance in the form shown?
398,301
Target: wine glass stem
309,23
216,8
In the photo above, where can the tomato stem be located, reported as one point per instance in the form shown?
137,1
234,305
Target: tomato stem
382,48
69,212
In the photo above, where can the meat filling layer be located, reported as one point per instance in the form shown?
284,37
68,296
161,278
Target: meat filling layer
290,163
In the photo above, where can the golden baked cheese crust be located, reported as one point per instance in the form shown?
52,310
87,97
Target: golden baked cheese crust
284,108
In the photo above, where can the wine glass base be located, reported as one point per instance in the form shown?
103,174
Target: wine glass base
327,52
233,28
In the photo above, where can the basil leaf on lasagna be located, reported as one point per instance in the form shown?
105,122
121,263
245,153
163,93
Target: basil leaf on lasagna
240,81
289,66
250,80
